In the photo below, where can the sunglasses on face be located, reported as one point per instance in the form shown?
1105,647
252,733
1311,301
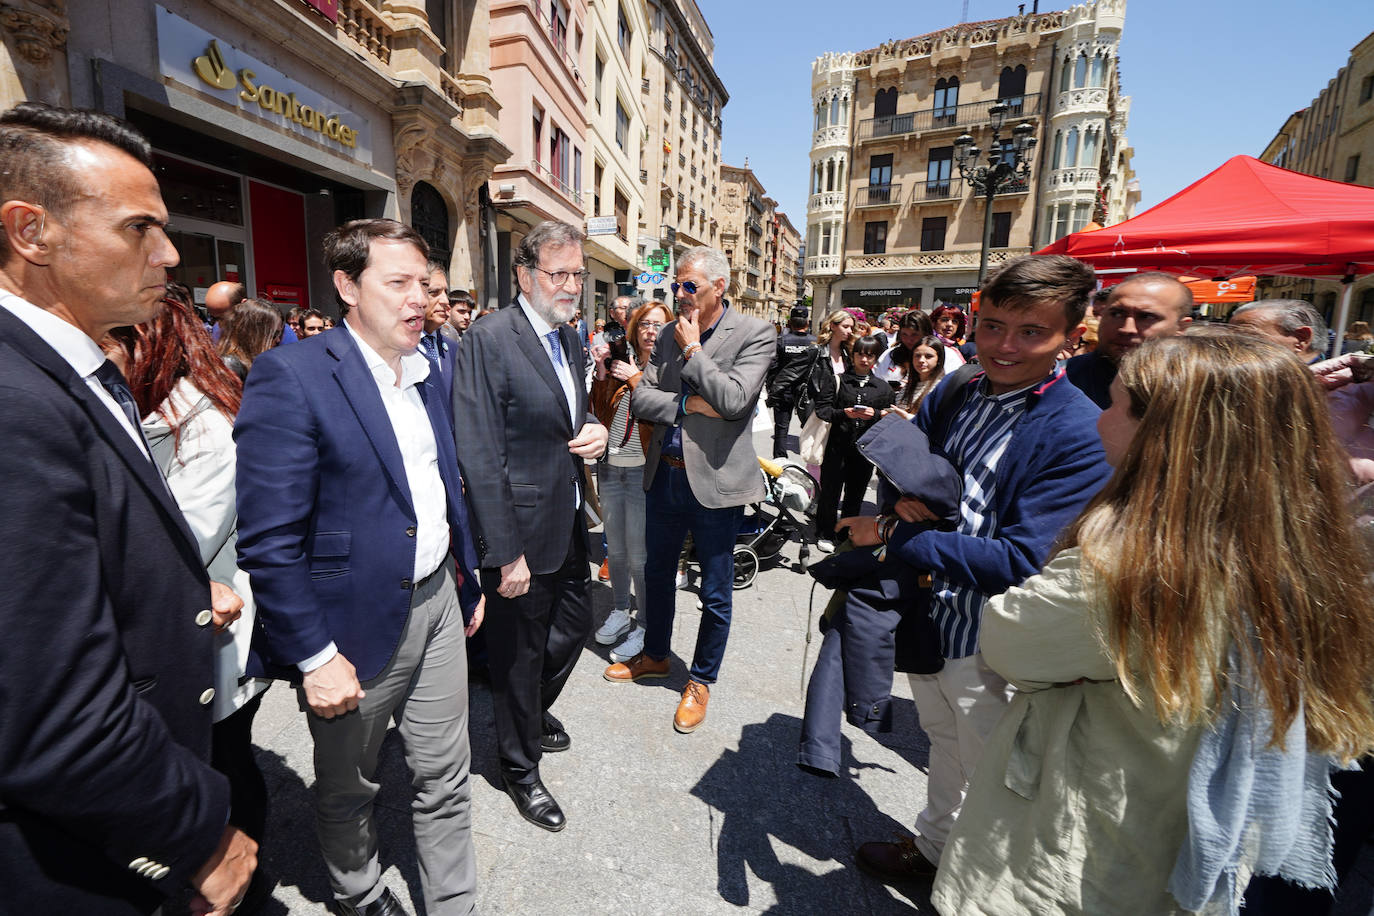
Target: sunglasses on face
685,284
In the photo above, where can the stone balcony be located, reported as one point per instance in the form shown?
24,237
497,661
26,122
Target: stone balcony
825,264
927,261
834,135
1075,179
826,200
1076,101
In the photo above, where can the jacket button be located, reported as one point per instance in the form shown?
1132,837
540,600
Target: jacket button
206,696
405,583
410,532
160,873
203,618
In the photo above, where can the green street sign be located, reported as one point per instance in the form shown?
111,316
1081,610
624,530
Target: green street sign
658,260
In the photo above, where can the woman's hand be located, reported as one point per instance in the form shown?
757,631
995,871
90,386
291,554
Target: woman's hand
598,355
623,371
858,413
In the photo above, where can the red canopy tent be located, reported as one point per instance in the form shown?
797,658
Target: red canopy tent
1247,217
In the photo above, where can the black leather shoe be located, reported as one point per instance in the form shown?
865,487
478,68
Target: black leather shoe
535,804
385,905
553,738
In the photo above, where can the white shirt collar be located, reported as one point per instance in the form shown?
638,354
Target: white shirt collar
414,365
541,327
71,343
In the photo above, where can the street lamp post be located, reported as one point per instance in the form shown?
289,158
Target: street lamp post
1006,163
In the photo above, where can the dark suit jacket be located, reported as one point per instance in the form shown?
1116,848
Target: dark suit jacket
513,429
448,351
104,736
326,523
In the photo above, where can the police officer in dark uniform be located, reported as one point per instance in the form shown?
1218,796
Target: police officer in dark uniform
791,365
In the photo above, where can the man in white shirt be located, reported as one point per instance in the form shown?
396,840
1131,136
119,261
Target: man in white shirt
351,516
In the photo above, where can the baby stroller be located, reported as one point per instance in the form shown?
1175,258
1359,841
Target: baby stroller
767,526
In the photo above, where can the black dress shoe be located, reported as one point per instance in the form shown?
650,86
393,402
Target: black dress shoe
385,905
535,804
553,738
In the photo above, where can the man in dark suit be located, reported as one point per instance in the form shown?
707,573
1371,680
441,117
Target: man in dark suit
523,434
107,801
434,344
351,516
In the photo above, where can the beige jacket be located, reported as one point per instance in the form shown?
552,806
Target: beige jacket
1078,803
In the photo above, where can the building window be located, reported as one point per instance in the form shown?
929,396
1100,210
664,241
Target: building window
1090,148
1065,69
946,100
1071,148
623,33
538,134
622,125
559,149
1352,168
1099,77
429,216
825,238
835,110
1367,89
875,238
558,25
622,215
600,67
598,172
1011,85
1001,230
577,171
885,103
1080,71
933,233
1058,149
1061,222
880,170
938,171
1081,214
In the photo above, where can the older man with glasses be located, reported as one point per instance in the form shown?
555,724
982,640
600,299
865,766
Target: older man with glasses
699,390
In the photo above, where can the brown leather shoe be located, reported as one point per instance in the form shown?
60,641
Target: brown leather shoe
691,711
637,668
604,573
893,862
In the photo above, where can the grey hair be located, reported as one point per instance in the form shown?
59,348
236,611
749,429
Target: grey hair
440,267
548,234
711,261
631,302
1292,314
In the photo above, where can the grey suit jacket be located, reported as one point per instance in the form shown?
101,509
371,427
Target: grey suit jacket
728,372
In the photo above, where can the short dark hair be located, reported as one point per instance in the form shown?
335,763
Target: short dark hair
868,346
311,313
551,233
917,320
34,167
1185,295
461,295
348,247
1024,282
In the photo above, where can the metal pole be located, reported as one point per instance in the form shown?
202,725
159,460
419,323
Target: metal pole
1343,312
987,227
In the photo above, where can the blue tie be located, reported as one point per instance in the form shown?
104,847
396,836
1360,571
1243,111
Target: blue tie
555,351
431,348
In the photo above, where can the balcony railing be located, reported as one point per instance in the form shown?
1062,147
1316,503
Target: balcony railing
879,195
826,200
940,189
667,101
967,115
361,22
644,85
823,264
926,260
559,43
643,176
555,182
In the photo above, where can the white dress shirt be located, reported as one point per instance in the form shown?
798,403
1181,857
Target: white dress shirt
564,367
82,353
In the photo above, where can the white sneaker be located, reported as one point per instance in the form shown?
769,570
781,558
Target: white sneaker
616,626
681,581
632,646
825,546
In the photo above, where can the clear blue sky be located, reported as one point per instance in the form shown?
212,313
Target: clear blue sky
1209,79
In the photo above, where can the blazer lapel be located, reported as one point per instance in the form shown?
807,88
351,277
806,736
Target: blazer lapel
360,389
572,343
527,339
724,328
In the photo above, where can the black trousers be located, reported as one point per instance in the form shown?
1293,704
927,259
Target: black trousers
231,753
533,642
782,420
844,468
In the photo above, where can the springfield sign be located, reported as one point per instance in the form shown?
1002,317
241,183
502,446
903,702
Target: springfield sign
196,58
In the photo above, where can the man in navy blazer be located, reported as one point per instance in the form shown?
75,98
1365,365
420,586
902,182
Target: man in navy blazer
108,803
351,516
433,344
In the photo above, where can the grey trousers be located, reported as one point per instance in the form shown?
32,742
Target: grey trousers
424,689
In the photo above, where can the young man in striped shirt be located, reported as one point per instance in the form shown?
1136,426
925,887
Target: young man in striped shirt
1025,440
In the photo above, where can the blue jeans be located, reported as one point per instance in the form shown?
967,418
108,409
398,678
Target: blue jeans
622,507
672,512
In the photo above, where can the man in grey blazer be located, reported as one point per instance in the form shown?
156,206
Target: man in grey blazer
699,390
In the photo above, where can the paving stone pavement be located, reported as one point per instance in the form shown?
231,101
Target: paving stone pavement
719,821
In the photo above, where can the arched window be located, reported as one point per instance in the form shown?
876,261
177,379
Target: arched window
1099,77
830,175
1090,148
819,108
946,100
1058,147
885,103
835,110
1065,69
1012,83
1080,72
844,110
429,217
1071,148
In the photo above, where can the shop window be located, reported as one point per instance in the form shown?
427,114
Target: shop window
200,193
875,238
933,233
429,217
1001,230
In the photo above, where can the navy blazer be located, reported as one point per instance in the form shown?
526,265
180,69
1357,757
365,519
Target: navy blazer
448,351
326,524
513,430
107,800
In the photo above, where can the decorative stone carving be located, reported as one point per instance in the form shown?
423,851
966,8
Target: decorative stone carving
37,32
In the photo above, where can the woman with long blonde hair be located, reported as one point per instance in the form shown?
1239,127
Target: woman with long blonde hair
1189,665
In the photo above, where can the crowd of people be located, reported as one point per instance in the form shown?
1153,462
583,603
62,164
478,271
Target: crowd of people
1132,578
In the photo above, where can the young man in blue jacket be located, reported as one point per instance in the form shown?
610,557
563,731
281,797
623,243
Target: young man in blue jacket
1025,441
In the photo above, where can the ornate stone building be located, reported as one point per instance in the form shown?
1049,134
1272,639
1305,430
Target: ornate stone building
759,242
275,122
889,220
1331,138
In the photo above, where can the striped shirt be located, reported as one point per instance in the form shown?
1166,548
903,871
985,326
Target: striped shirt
976,441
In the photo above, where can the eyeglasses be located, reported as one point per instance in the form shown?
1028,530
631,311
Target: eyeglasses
651,325
685,284
560,277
